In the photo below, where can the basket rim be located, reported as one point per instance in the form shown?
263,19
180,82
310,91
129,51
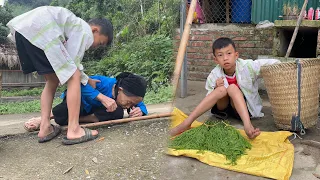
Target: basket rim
292,64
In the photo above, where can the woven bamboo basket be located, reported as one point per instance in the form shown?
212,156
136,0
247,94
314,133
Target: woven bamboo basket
281,84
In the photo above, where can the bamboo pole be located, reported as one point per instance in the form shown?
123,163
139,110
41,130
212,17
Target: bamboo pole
0,83
296,28
183,47
124,120
227,11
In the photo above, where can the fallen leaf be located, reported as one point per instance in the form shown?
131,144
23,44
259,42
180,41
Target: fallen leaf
95,160
100,139
58,145
68,170
87,172
83,147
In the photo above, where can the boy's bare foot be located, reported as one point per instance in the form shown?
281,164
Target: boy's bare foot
251,131
78,132
32,124
45,130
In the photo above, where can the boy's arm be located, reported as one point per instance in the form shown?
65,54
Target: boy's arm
88,92
257,64
92,92
211,82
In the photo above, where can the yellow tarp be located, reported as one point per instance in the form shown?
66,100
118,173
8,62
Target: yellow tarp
271,155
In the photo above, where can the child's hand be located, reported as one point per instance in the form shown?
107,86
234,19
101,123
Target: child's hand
135,112
107,102
93,82
219,82
179,129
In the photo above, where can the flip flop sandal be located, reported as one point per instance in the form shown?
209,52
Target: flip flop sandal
87,137
221,115
56,132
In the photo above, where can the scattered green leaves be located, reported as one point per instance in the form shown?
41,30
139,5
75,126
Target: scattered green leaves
23,107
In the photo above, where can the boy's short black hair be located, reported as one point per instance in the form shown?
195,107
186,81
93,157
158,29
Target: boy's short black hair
222,43
106,27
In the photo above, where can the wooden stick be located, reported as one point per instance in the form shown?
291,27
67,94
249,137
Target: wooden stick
0,83
183,47
296,29
227,11
118,121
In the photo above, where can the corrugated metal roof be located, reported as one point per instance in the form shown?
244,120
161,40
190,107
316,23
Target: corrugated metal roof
272,9
265,10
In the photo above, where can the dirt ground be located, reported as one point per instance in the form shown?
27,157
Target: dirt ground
128,151
133,150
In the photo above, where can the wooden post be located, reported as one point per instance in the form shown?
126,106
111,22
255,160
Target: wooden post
182,47
296,29
0,83
227,11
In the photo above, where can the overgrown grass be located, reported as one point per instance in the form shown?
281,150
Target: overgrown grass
164,94
26,92
23,107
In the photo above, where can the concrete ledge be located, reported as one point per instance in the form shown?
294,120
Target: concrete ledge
293,23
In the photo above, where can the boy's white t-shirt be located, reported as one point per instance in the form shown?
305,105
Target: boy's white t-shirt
247,73
60,34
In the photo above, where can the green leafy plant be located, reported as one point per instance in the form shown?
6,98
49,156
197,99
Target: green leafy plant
5,17
23,107
150,56
214,136
27,92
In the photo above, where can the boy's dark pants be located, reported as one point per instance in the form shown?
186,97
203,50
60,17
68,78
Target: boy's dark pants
60,113
31,57
229,110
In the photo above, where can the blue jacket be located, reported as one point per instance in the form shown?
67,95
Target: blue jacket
89,94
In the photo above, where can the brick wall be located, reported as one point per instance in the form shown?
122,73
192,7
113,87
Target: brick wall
250,42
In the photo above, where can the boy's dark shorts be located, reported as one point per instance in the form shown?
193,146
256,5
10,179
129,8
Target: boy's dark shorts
230,111
60,113
31,57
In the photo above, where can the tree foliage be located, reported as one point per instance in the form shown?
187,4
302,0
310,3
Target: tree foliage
143,31
5,17
143,37
150,56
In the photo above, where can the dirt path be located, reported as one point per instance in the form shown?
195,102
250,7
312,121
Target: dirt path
128,151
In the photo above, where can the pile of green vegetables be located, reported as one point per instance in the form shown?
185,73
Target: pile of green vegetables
215,136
